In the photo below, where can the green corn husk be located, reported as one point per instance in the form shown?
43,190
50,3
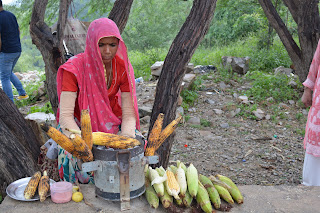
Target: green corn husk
179,202
192,180
166,199
182,165
173,169
203,199
212,191
187,200
161,171
224,193
234,190
152,197
158,187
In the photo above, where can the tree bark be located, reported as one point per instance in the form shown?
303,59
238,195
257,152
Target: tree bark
49,45
306,14
19,148
120,13
179,55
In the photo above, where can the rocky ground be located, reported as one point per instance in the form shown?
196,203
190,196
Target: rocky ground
250,151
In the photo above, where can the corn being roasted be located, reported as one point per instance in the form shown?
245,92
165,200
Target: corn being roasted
32,186
111,140
86,129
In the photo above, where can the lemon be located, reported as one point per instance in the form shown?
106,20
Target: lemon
75,189
77,197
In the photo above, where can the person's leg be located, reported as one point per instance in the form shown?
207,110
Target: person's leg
311,171
6,61
14,79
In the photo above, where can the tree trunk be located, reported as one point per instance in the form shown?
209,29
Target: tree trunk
19,148
120,13
306,14
179,55
49,45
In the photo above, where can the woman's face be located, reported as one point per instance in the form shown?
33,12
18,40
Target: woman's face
108,48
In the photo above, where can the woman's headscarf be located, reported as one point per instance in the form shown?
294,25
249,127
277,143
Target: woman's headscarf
89,71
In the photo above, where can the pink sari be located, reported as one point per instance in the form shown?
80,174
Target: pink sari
312,136
89,71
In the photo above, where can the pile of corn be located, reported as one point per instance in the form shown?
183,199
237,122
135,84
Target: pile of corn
183,185
42,183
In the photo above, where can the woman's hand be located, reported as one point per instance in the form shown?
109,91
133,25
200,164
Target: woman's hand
307,97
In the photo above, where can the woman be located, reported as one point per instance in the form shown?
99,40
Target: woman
311,166
101,80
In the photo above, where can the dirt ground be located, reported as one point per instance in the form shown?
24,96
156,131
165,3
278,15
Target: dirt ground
250,152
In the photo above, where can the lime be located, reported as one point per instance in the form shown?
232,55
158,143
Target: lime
77,197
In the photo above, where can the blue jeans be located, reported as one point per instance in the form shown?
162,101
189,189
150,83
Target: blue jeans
7,63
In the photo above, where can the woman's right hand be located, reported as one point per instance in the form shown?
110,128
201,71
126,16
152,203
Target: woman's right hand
307,97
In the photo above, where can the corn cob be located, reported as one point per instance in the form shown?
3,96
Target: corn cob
32,186
156,129
224,193
182,181
151,196
234,191
44,186
81,149
182,165
179,202
187,200
166,199
86,129
154,177
59,138
110,140
173,169
203,199
154,135
146,171
192,180
161,171
213,193
167,131
172,185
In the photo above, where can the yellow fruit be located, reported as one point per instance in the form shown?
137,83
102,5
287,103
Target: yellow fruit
77,197
75,189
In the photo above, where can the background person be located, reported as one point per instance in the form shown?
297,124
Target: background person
311,97
10,51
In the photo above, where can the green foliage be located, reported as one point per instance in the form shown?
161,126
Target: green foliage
247,111
265,86
143,60
190,95
47,108
205,123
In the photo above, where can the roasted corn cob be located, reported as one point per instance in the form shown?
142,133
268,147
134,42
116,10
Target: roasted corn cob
32,186
44,186
86,129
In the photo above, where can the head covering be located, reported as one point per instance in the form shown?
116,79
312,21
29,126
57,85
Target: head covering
89,71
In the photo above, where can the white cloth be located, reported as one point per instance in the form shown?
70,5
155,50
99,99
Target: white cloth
311,170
